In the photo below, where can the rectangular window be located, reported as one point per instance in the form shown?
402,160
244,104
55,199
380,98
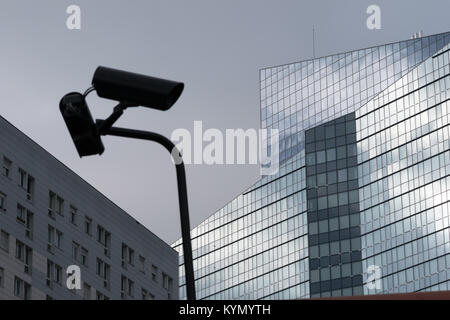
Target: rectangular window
58,274
26,182
104,237
54,274
59,205
55,205
124,254
127,287
29,225
130,288
24,254
123,285
30,188
51,204
2,202
86,291
22,178
51,235
127,255
20,249
141,264
100,233
55,238
100,266
21,211
73,215
75,251
131,256
22,289
50,271
165,283
59,239
6,170
88,225
18,284
4,240
106,276
154,273
84,256
2,277
103,271
107,243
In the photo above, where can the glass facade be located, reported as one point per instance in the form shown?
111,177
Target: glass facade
365,158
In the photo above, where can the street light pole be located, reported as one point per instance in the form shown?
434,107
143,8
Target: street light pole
130,90
106,129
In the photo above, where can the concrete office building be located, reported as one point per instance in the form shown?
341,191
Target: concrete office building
363,188
50,219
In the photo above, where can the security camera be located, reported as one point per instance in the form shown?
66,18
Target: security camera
135,89
81,125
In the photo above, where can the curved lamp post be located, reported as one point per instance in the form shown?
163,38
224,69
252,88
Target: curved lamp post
130,90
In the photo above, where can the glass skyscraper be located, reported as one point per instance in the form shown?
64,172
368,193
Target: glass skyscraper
363,188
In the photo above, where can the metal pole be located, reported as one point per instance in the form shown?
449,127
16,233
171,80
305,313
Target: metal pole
182,195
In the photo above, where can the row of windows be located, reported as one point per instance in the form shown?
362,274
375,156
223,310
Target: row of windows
425,73
253,266
257,247
419,175
284,275
285,181
55,238
399,158
413,227
414,278
404,130
408,206
22,289
24,254
253,222
332,79
320,78
368,55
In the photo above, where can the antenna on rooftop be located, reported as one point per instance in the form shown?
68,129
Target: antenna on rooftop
314,43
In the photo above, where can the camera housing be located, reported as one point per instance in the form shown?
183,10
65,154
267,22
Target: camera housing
80,124
136,89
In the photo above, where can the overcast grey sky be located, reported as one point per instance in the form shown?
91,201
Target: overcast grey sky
215,47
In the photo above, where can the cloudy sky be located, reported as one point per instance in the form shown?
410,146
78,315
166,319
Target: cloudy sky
215,47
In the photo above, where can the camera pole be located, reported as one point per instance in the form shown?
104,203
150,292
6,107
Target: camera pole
105,128
131,90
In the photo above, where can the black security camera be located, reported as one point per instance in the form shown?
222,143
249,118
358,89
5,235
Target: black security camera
128,89
136,89
81,125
